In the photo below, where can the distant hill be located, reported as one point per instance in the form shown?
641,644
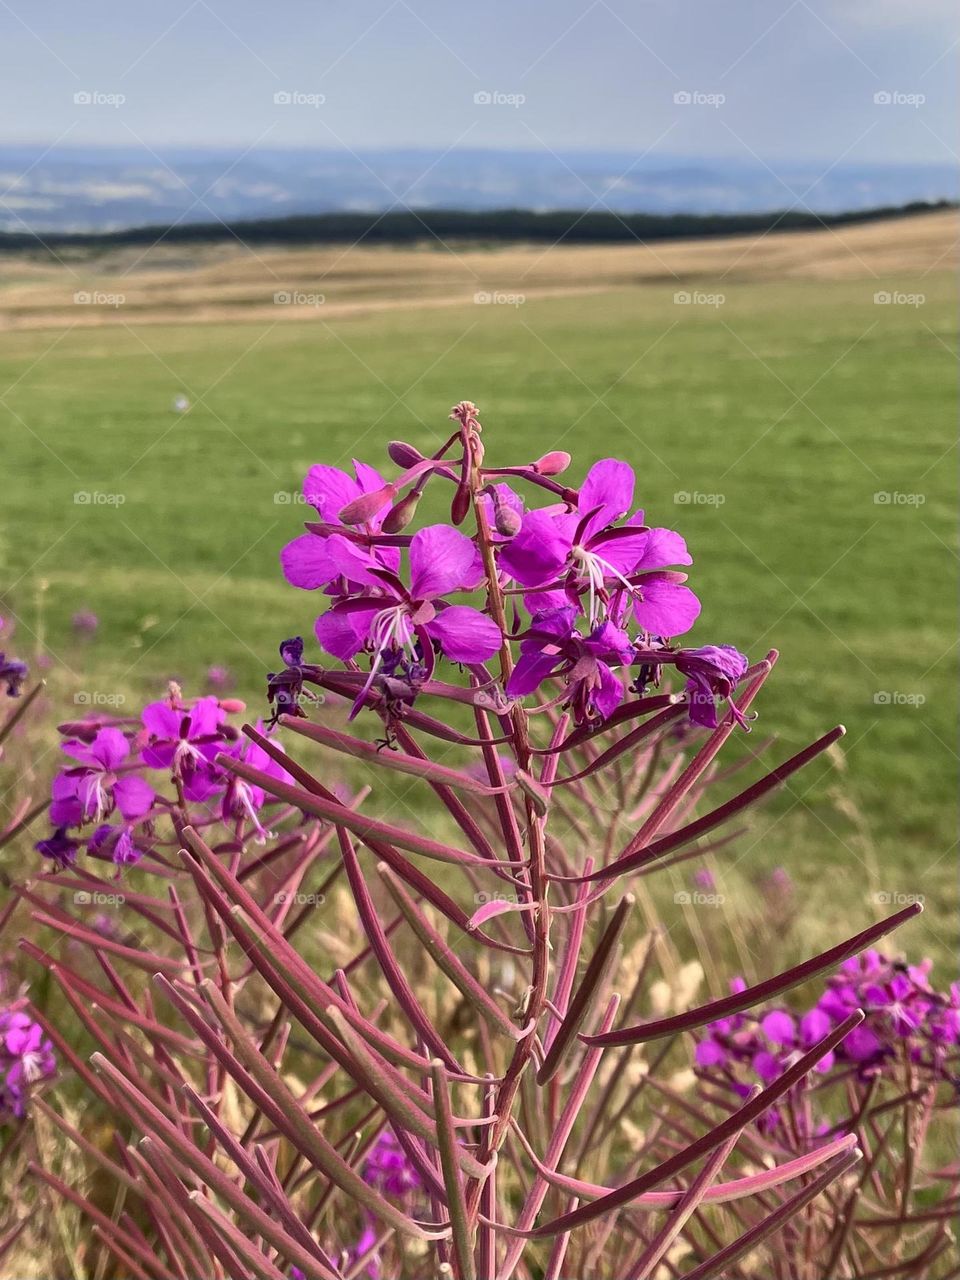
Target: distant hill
107,189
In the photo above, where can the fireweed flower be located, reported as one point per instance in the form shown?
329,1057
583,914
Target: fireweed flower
307,561
242,801
586,552
13,672
186,740
905,1018
26,1057
94,787
399,625
552,647
118,842
388,1170
712,673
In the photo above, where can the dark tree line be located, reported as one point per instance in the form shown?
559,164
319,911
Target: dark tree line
494,226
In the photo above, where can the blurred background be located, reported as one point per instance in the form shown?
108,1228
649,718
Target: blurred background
718,242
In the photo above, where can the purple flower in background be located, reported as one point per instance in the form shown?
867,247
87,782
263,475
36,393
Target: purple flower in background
13,672
552,647
584,551
219,678
26,1057
399,624
85,622
92,789
387,1168
186,740
704,879
904,1015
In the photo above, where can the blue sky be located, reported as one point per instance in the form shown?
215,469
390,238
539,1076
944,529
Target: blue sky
780,79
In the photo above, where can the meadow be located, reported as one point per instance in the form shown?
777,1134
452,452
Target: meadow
799,433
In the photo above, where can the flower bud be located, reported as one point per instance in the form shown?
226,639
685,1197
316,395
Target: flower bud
364,508
460,505
233,705
552,464
403,454
401,513
506,520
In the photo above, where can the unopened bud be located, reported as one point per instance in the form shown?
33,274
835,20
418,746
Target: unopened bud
552,464
368,505
233,705
506,520
403,454
401,513
460,505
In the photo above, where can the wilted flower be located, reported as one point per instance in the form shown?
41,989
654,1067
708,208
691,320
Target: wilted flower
13,672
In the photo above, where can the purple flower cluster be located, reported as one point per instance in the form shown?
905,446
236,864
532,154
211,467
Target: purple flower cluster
592,593
388,1170
107,799
26,1057
906,1020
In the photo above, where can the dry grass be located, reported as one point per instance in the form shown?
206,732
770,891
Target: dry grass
213,284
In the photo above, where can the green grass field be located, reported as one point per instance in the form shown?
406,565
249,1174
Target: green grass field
781,414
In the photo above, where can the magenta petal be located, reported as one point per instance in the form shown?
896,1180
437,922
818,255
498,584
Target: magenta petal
663,548
352,561
134,797
609,485
665,608
442,560
160,720
306,562
369,478
541,548
66,812
779,1027
110,748
608,695
329,490
343,632
530,672
465,634
206,716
